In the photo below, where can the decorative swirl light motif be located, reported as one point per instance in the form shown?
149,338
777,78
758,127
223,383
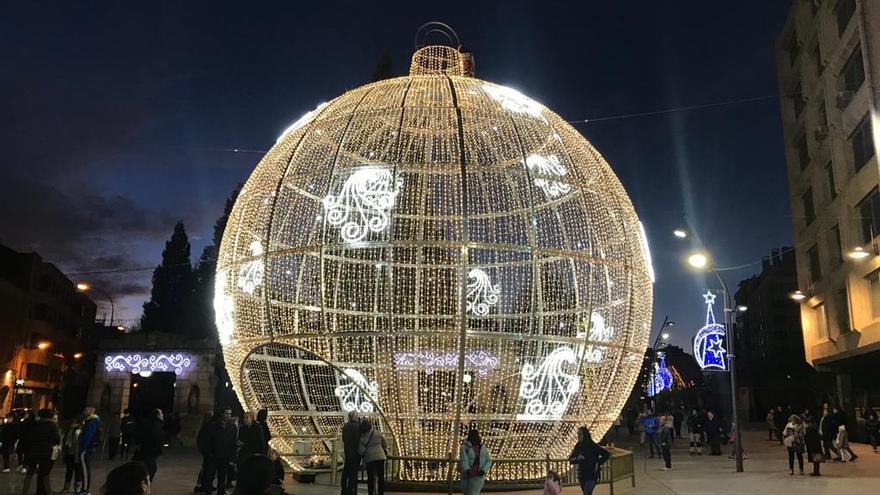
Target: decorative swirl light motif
223,308
599,331
137,363
250,275
546,170
548,389
481,294
514,101
363,203
351,395
429,361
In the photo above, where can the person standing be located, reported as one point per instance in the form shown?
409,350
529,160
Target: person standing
677,419
68,454
223,436
771,424
114,433
250,438
813,444
374,452
872,427
713,430
779,422
351,439
588,456
204,445
664,439
474,462
85,447
263,421
150,438
38,446
793,439
126,430
8,437
651,425
27,423
695,432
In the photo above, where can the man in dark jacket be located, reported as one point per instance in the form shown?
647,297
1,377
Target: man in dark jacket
41,437
351,438
204,443
263,421
695,432
250,438
780,418
150,438
126,430
8,437
88,439
588,456
222,438
828,429
713,429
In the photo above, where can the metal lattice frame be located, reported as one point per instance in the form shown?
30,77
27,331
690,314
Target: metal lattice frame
437,252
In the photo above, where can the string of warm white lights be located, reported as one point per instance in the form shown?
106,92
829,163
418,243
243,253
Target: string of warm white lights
435,252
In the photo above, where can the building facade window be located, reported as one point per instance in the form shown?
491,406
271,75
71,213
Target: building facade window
844,12
37,372
809,207
797,99
835,245
832,184
869,214
815,267
842,309
874,293
803,151
862,142
854,71
821,321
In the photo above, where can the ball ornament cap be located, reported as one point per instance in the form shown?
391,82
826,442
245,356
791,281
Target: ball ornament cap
434,252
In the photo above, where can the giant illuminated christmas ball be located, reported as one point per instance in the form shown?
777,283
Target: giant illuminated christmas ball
437,253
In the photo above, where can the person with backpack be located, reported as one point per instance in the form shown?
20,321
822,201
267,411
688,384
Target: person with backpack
588,456
88,443
474,461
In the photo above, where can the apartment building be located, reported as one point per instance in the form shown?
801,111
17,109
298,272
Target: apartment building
828,58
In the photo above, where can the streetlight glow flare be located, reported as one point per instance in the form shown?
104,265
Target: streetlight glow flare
698,260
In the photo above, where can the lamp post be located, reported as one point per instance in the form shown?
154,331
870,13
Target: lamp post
701,260
84,287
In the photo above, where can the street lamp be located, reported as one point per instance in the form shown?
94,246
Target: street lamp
44,345
858,253
84,287
797,296
700,260
742,308
680,233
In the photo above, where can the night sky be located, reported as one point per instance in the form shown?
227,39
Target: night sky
119,119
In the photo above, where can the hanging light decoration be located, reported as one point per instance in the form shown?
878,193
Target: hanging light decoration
435,252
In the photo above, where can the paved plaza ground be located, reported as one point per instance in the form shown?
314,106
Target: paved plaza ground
766,472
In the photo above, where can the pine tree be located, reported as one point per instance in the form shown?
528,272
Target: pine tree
383,69
173,284
203,295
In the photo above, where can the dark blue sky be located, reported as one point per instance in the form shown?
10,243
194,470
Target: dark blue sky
115,117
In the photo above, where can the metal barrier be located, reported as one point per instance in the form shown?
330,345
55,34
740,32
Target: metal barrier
442,474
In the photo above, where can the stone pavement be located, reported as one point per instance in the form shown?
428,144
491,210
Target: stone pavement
766,472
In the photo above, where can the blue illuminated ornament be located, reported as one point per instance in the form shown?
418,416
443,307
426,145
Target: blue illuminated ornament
661,378
709,348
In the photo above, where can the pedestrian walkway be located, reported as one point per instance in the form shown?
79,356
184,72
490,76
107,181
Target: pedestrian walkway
766,472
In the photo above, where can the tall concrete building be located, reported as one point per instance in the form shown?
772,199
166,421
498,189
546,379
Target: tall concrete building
828,57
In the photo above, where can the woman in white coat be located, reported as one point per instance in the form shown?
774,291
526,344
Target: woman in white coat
374,452
475,462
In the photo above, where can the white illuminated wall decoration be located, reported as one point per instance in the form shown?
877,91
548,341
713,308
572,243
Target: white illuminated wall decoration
548,388
250,275
140,363
481,294
546,172
357,393
429,361
363,203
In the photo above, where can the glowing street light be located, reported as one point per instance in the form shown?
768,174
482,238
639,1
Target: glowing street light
78,355
83,287
797,296
44,345
698,260
680,233
742,308
121,328
665,335
858,253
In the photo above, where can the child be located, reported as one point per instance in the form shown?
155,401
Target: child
553,484
842,444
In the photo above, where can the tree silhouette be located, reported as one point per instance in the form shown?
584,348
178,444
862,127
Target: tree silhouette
173,282
384,69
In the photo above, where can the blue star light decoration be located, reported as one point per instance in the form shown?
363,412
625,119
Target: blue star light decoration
709,348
